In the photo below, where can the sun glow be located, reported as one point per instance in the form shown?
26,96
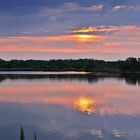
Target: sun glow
85,105
84,37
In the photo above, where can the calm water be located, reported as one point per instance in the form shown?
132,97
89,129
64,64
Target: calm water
69,106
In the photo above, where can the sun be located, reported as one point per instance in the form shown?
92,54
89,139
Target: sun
84,37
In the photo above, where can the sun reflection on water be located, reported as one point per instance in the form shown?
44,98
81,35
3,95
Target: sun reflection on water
85,105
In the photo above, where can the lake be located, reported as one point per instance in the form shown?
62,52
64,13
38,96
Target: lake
69,106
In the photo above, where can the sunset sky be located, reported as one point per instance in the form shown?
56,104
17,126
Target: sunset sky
55,29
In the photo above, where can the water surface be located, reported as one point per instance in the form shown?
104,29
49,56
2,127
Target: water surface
68,106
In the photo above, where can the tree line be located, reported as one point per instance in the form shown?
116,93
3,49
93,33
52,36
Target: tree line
130,64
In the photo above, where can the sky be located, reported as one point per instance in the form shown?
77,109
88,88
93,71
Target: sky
69,29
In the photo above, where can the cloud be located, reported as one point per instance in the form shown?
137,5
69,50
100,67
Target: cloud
35,17
49,26
102,30
69,7
119,7
110,41
97,7
132,8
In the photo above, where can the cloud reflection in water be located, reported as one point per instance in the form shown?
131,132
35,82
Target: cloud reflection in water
59,109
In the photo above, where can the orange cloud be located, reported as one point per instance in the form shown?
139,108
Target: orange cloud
98,39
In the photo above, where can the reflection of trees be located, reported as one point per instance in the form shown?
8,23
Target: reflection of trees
58,77
132,79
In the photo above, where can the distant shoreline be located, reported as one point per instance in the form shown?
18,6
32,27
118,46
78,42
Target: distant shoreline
130,65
